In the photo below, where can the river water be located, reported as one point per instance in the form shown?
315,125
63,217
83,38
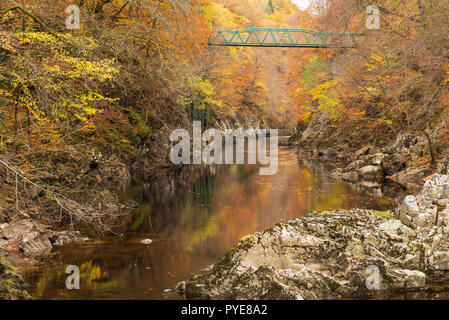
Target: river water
193,217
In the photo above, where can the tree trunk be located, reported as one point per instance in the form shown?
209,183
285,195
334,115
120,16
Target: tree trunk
432,153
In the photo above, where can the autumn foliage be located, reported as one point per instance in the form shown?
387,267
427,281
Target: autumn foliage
136,69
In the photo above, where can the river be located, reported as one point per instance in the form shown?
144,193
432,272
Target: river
193,217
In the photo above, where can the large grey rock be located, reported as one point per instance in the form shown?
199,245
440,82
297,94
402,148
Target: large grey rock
12,285
443,166
423,211
367,167
335,253
315,257
32,237
316,127
391,161
437,188
414,279
428,215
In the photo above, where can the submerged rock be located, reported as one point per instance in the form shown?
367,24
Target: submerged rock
336,253
146,241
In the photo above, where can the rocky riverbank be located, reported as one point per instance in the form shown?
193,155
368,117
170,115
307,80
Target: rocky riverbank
23,241
401,161
12,286
29,229
405,157
327,255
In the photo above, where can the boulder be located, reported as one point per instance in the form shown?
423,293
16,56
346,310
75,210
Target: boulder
31,237
12,285
443,166
428,215
362,152
394,163
423,211
336,253
391,161
412,176
315,127
370,171
319,256
367,167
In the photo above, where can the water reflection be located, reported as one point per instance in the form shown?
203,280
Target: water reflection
193,216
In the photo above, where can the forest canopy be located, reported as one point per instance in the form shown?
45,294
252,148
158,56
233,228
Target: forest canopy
136,69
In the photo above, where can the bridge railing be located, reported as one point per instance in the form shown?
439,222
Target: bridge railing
284,37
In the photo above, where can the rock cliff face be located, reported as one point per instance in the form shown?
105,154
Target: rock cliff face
343,252
394,161
428,214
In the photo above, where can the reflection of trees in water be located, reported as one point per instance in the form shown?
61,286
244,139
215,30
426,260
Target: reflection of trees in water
243,175
386,191
104,268
174,203
194,214
164,198
202,191
52,279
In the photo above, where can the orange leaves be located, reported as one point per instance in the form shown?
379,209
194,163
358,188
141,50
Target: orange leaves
446,80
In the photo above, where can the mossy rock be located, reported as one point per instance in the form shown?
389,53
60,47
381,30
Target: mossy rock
12,285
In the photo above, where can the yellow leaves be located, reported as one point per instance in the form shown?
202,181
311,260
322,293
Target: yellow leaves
370,91
322,89
376,60
219,16
306,117
89,111
202,93
6,43
34,37
386,121
55,43
82,104
446,80
261,85
379,59
54,72
101,70
328,101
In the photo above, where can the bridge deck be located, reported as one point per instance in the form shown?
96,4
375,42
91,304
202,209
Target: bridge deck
284,37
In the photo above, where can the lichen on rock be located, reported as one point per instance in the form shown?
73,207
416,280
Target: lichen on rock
314,257
29,237
428,214
329,254
12,286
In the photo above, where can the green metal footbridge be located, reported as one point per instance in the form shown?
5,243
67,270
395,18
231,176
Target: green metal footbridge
283,37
